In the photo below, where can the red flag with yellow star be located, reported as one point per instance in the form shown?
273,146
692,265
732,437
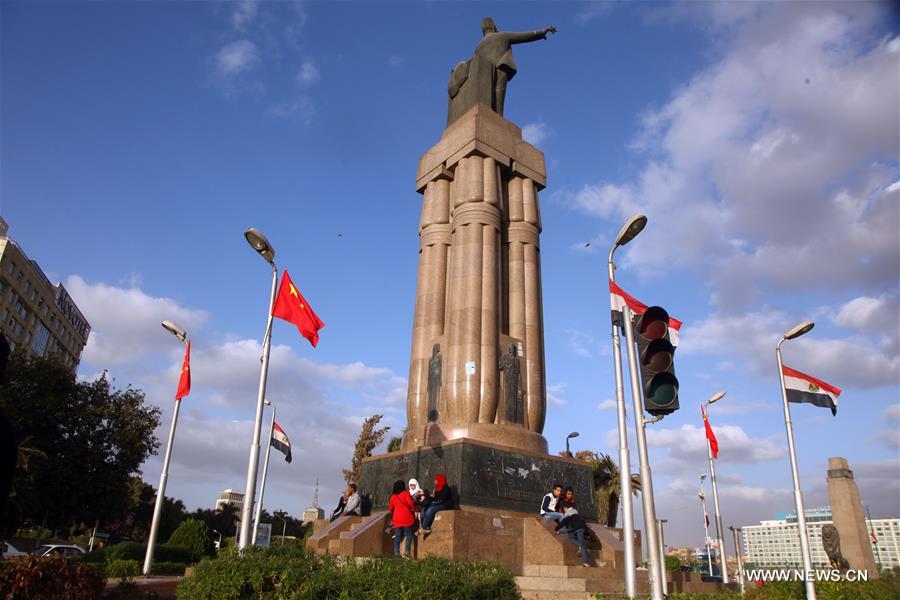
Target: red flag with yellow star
184,382
291,306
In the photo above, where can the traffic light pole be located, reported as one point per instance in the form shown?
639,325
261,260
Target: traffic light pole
625,499
653,558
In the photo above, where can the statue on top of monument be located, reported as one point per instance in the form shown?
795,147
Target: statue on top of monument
482,79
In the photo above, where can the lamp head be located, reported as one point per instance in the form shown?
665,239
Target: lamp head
268,403
716,397
799,330
258,242
702,477
574,434
633,227
174,330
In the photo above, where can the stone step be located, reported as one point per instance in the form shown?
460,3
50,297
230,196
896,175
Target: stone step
598,570
551,584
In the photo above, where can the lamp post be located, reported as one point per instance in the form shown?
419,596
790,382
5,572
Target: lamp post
284,527
262,246
702,497
662,555
798,495
574,434
715,490
736,532
179,333
262,487
628,233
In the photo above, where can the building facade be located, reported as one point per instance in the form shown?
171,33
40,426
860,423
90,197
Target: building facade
231,497
776,543
36,316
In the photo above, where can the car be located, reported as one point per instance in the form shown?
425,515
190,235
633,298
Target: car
12,552
56,550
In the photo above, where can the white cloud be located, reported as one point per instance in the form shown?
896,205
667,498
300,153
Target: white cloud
892,414
608,404
553,394
244,14
594,9
308,73
125,322
237,57
535,133
581,343
687,444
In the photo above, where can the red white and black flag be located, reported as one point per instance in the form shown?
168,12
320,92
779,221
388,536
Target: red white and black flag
281,442
806,388
713,442
619,299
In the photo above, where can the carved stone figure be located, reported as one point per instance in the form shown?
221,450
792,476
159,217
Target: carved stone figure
831,541
483,78
512,395
434,382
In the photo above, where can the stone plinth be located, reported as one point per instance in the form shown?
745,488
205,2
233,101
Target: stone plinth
849,517
481,475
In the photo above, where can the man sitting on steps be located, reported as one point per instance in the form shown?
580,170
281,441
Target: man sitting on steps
577,529
548,504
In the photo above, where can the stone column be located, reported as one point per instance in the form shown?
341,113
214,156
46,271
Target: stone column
849,517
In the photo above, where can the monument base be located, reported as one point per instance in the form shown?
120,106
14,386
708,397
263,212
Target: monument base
480,475
507,436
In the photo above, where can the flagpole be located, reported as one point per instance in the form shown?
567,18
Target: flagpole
629,230
164,476
736,532
795,473
259,243
262,487
706,526
723,559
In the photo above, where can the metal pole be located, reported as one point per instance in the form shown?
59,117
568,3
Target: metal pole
625,499
662,557
736,532
798,495
656,573
161,493
715,489
253,465
706,528
262,487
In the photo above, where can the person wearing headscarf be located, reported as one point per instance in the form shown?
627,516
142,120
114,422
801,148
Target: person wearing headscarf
440,500
403,516
576,527
416,492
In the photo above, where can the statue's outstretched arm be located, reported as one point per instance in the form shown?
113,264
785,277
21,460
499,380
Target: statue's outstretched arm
516,37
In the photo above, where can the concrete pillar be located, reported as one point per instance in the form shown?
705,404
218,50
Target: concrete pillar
849,517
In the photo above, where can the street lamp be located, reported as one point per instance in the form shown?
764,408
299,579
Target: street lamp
660,523
284,527
262,488
627,233
715,489
702,497
179,333
796,332
574,434
736,532
262,246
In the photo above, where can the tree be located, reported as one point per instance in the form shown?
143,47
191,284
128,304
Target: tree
80,443
142,503
606,484
369,438
195,536
395,443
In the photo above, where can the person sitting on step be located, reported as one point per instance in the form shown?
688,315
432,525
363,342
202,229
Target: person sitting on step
440,500
549,504
576,527
353,507
566,501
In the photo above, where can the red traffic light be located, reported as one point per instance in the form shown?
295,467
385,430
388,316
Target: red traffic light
654,323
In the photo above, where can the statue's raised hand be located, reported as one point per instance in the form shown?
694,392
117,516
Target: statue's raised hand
550,29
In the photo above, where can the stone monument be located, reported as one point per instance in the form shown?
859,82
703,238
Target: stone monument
849,517
477,389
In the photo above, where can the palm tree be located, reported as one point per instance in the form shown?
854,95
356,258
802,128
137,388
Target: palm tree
606,484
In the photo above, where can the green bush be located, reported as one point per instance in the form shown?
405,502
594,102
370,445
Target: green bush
126,551
194,535
168,568
34,578
887,587
98,567
673,563
291,572
137,551
122,569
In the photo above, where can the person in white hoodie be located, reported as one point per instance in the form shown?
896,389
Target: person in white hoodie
548,504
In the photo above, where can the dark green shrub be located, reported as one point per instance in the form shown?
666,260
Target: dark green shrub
122,569
173,553
168,568
291,572
126,551
137,551
33,578
194,535
98,567
673,563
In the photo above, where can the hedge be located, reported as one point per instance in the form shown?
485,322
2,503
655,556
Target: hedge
292,573
196,536
38,578
168,568
137,551
122,569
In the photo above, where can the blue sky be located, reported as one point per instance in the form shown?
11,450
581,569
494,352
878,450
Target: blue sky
139,140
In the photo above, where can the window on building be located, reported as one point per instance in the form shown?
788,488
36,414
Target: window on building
41,337
11,268
20,277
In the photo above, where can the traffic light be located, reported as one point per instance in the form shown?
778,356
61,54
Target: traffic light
656,356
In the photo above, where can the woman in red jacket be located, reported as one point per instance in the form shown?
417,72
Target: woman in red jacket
403,515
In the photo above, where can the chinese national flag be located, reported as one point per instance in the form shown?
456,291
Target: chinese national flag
291,306
184,383
713,442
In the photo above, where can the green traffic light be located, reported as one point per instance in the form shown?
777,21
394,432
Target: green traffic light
662,391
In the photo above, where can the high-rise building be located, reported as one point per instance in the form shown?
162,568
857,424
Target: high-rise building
36,316
776,543
231,497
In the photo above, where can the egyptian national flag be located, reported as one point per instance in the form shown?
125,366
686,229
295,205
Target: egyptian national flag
713,442
184,382
806,388
619,299
281,442
291,306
